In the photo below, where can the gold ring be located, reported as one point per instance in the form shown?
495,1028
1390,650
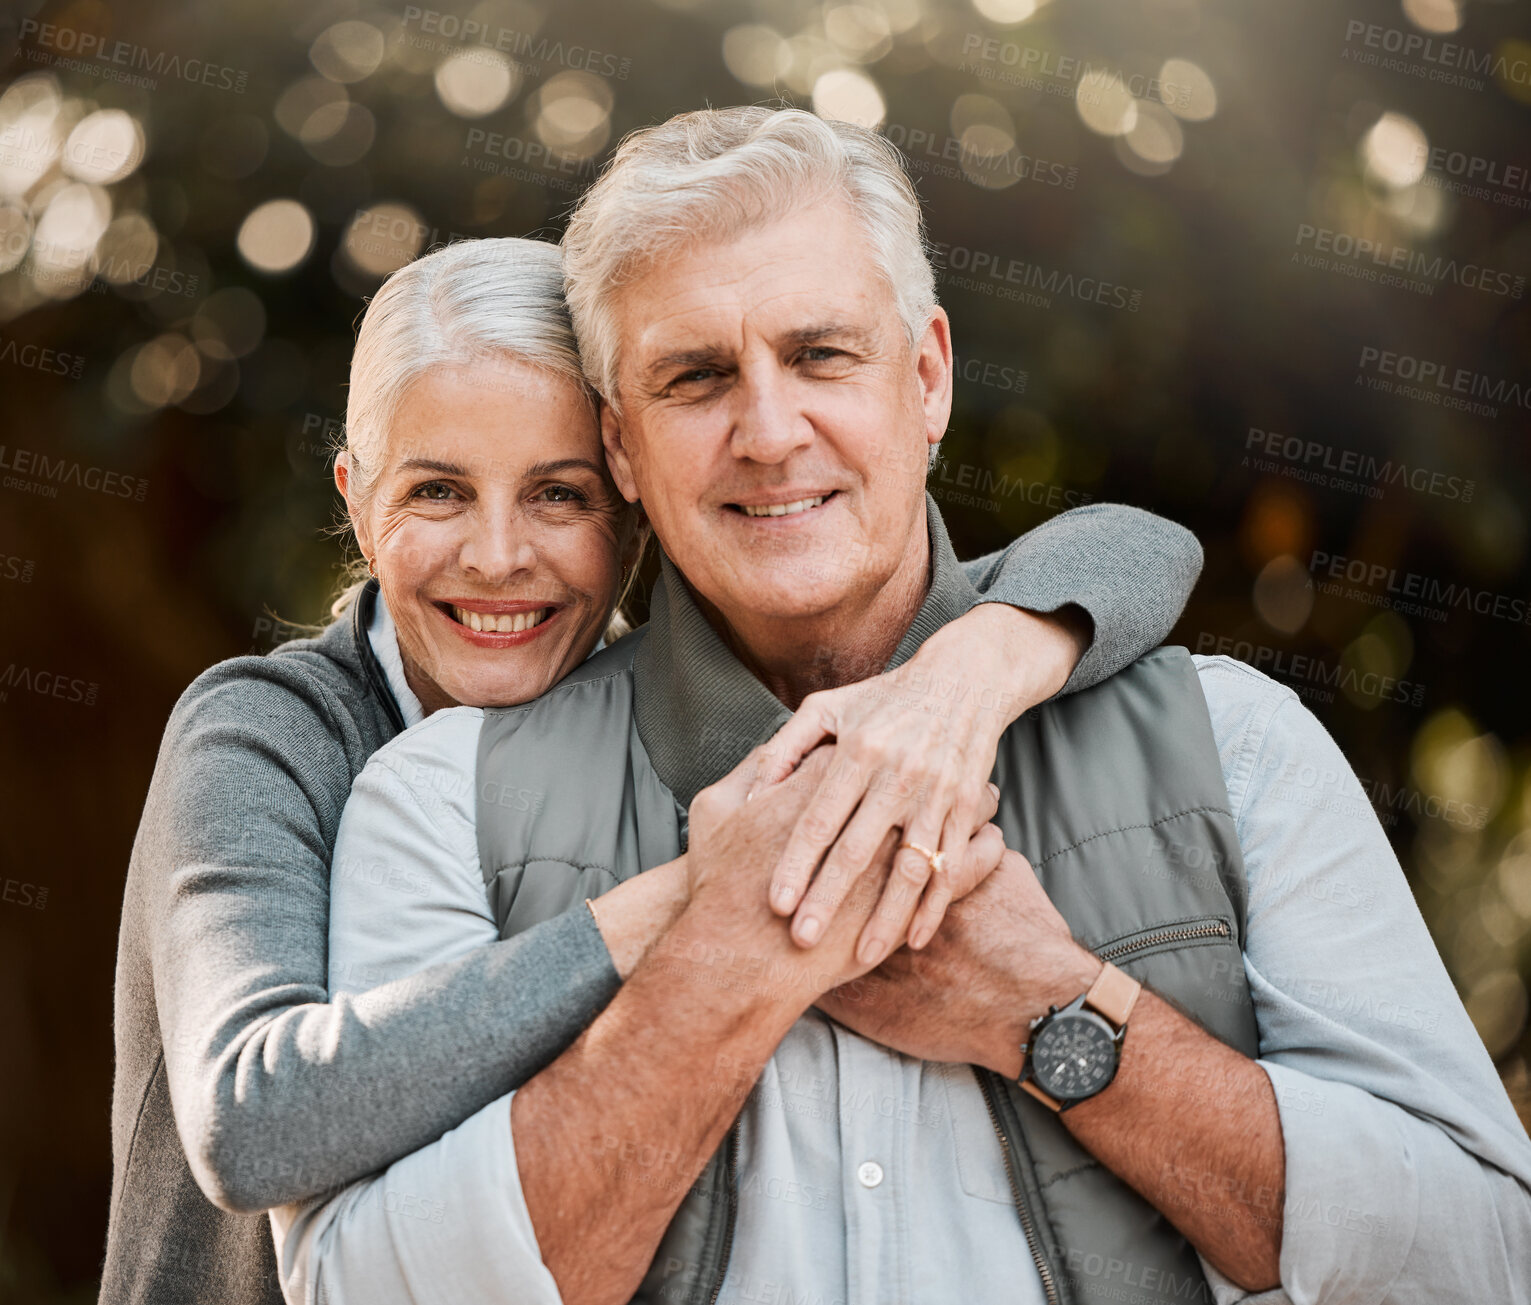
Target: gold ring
937,859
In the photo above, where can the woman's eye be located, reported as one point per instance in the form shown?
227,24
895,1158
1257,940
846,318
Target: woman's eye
437,491
563,494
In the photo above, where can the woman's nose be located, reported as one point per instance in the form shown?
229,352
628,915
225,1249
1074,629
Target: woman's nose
500,546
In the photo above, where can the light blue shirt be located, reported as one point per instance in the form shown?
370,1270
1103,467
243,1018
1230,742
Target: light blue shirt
868,1177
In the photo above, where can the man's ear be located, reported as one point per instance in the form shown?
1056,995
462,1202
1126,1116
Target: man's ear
933,364
343,484
613,437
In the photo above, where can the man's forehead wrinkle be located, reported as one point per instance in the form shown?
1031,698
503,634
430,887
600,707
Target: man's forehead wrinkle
715,328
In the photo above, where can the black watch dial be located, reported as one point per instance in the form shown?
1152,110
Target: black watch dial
1074,1056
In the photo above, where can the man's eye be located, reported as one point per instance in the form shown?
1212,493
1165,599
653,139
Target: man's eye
821,353
563,494
696,374
437,491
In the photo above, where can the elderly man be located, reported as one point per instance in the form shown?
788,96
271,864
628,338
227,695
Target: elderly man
1196,1043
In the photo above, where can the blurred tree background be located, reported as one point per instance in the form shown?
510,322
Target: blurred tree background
1260,268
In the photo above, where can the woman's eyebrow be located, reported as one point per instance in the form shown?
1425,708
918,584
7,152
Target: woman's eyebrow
553,467
431,464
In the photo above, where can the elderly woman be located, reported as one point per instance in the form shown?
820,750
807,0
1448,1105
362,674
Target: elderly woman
498,549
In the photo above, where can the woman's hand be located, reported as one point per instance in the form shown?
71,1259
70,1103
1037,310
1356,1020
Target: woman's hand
914,750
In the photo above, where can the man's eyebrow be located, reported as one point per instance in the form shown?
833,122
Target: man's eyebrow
684,359
828,331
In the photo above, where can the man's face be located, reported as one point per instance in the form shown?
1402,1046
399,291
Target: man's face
776,422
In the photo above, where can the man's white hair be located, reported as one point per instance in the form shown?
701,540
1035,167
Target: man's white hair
716,173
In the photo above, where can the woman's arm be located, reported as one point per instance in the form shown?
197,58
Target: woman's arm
1128,570
278,1091
919,741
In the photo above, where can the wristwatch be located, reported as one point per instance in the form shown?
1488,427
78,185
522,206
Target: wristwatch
1073,1052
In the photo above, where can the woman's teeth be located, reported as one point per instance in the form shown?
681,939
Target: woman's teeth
501,623
783,509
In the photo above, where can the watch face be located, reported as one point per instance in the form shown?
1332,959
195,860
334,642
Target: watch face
1074,1057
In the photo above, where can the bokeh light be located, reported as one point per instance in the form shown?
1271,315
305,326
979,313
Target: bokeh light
75,219
849,96
382,238
1283,594
1434,15
104,147
1395,151
29,125
164,371
15,234
1006,12
348,51
127,249
1187,90
1105,104
474,83
339,133
1155,136
276,236
573,114
860,32
756,54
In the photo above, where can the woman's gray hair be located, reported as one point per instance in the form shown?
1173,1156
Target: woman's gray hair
470,301
715,173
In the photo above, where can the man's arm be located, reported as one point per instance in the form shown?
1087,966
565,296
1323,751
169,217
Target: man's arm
1122,573
1380,1107
664,1070
1181,1101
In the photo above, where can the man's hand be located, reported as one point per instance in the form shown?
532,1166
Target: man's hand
1002,958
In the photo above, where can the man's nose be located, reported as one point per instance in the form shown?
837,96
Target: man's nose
769,421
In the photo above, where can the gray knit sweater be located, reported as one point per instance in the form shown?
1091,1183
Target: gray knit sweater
239,1084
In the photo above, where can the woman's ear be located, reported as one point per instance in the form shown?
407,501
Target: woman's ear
614,440
343,484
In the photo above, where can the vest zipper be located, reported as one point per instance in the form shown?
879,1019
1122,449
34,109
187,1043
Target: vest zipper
1044,1270
730,1170
1218,928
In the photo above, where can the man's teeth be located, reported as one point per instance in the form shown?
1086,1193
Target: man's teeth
783,509
502,623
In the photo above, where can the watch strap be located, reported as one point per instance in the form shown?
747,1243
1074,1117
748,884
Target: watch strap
1027,1085
1113,994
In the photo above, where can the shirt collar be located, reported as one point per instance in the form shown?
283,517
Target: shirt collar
383,635
700,711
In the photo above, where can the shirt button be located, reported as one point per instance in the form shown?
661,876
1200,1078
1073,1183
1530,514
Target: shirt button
870,1173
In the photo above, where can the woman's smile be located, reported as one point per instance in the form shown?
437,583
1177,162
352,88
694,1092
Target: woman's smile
498,624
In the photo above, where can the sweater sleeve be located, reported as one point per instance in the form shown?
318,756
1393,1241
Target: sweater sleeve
1129,570
278,1091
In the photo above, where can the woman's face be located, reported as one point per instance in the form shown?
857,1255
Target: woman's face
498,537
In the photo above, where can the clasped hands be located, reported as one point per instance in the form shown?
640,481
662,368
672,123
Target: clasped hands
796,873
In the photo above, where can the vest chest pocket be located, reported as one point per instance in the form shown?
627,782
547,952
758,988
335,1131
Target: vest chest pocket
1194,962
527,894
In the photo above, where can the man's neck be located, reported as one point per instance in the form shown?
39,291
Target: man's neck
850,642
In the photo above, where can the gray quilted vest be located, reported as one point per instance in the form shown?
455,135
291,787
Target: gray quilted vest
1115,795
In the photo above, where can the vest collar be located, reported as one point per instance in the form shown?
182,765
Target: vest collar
700,711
